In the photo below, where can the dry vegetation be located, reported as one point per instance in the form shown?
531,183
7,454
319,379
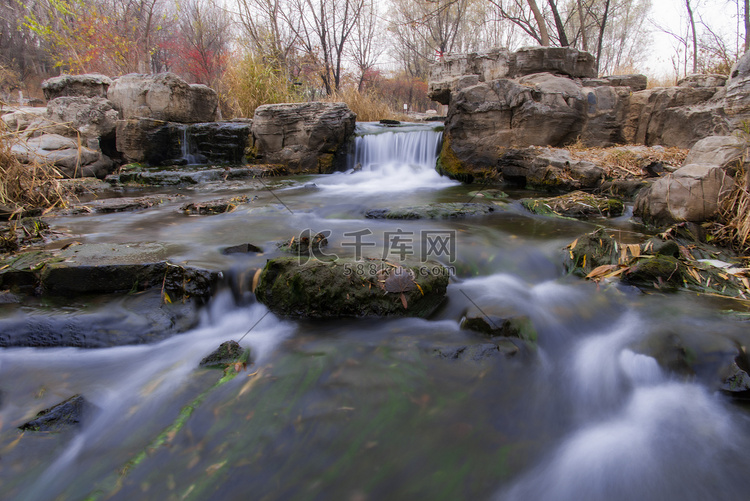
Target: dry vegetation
368,107
628,161
24,187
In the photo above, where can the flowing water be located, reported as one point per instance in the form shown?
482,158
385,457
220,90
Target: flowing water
359,409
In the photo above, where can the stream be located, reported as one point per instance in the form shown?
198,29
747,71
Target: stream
373,409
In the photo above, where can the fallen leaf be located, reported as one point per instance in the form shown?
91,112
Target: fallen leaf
602,270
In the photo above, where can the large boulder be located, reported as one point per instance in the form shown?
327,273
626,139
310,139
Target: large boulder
312,288
306,137
146,140
449,74
737,99
92,118
89,85
674,116
163,96
71,159
694,191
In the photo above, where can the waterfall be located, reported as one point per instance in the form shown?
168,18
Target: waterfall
187,149
391,159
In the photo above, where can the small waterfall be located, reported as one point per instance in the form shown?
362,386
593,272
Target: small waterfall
187,150
391,159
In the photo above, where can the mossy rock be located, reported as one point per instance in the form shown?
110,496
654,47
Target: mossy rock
493,321
311,288
228,353
591,251
660,272
211,207
433,211
577,204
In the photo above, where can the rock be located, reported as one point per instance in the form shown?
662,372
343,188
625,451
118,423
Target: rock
433,211
735,379
606,110
694,191
63,153
347,288
448,74
559,60
146,140
19,121
493,320
163,96
129,320
91,85
590,251
122,204
661,272
548,168
94,118
635,82
60,417
241,249
228,353
305,137
475,352
703,80
577,204
674,116
304,244
175,177
220,142
625,189
210,207
456,71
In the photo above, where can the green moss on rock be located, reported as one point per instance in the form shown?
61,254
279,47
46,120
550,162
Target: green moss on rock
312,288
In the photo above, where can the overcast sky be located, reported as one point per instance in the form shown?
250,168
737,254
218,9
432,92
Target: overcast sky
720,15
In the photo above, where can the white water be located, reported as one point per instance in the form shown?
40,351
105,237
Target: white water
401,159
187,148
127,384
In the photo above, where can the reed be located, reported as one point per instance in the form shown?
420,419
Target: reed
367,106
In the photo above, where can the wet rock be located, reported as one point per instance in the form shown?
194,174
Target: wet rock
228,353
178,177
241,249
304,137
476,352
127,320
66,414
496,321
90,85
305,244
660,272
123,204
577,204
626,189
433,211
212,207
736,380
591,251
163,96
346,288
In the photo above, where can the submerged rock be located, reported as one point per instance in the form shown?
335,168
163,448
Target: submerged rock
60,417
493,320
475,352
433,211
305,244
311,288
212,207
228,353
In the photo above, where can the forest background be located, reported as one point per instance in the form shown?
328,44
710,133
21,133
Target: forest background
375,55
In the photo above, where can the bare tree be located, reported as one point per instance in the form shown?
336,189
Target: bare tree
270,29
695,35
366,47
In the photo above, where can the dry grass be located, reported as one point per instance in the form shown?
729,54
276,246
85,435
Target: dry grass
732,228
250,83
26,187
628,161
369,108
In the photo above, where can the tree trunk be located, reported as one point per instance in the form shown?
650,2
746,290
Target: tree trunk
559,25
747,25
543,35
695,36
582,21
601,34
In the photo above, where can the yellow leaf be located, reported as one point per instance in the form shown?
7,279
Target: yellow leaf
635,250
745,282
584,261
167,299
602,270
420,288
624,254
573,246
